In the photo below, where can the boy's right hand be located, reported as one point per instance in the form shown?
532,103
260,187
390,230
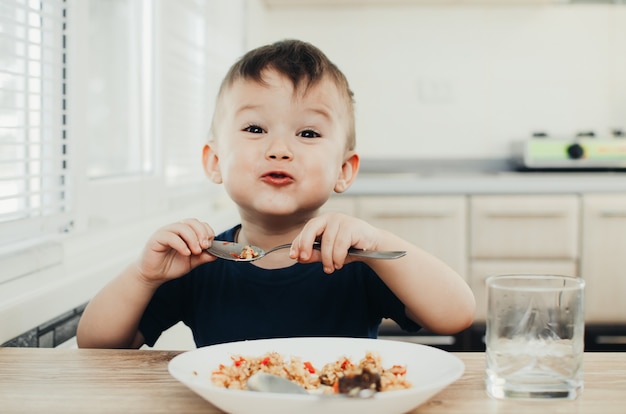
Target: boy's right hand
174,250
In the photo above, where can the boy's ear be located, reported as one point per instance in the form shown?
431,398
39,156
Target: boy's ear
211,163
348,173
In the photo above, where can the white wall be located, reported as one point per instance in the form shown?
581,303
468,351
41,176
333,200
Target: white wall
464,81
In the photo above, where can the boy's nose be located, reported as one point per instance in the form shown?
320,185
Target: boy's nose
280,156
278,150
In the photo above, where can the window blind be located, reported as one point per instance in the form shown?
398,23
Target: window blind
181,88
33,138
196,41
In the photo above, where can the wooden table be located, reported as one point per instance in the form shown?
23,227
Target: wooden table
37,380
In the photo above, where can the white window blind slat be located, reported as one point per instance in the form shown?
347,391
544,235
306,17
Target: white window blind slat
33,136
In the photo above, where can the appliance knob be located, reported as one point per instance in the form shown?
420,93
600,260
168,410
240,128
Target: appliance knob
575,151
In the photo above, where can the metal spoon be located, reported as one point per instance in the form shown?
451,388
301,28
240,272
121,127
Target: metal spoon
235,251
264,382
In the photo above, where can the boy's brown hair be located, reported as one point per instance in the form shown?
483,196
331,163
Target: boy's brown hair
304,64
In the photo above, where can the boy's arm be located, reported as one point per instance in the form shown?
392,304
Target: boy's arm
435,296
111,318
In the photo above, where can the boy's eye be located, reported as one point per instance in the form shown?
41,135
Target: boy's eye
254,129
309,133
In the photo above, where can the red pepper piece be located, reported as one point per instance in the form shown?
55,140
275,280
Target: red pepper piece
309,367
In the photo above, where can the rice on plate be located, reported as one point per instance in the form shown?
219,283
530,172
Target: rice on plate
327,379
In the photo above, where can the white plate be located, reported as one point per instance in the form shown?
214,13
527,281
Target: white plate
428,369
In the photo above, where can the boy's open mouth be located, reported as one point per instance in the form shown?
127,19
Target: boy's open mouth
277,174
277,177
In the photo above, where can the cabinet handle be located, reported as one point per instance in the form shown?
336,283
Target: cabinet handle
525,214
411,215
613,214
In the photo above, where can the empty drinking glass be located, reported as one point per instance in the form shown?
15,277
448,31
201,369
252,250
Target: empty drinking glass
534,336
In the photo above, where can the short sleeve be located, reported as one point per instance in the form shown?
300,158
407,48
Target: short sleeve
163,311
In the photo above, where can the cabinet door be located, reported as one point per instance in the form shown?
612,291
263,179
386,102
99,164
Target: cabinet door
524,227
481,269
436,224
603,259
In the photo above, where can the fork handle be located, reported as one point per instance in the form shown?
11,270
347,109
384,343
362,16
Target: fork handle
376,254
353,251
371,254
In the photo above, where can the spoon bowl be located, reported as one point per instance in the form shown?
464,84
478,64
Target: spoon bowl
240,252
264,382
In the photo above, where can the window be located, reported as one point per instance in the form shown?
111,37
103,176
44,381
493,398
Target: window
104,108
119,74
154,69
195,43
33,134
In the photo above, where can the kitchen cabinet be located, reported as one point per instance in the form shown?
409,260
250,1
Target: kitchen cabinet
603,260
437,224
481,235
521,234
524,227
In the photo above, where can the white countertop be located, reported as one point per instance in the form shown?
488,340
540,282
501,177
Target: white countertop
418,177
503,183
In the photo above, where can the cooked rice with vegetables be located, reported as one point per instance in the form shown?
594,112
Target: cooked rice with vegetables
333,377
247,253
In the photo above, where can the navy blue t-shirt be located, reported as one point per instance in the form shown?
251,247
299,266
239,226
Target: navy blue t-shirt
226,301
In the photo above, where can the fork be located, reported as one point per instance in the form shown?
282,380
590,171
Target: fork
240,252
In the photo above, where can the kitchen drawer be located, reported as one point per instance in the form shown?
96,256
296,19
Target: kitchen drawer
481,269
436,224
524,227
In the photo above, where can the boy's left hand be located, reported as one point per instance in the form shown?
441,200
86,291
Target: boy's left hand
337,233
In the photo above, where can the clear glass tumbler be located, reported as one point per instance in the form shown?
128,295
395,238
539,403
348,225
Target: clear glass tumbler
535,336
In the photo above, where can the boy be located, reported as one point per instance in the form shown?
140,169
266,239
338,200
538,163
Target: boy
282,140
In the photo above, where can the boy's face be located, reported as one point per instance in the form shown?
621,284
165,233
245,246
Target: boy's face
279,152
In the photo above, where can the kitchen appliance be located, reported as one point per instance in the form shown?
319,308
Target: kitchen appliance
584,152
